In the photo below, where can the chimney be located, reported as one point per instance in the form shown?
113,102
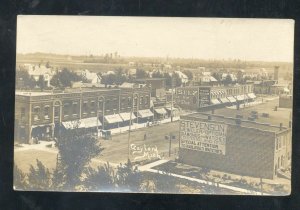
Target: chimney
280,126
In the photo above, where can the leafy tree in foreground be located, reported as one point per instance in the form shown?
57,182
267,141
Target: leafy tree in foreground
102,178
39,178
19,178
76,149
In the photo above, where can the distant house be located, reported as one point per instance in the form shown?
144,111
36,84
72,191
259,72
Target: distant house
184,79
204,78
263,87
35,71
91,77
232,76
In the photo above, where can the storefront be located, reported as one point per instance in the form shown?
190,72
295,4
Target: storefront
160,113
42,132
112,121
91,124
127,117
145,116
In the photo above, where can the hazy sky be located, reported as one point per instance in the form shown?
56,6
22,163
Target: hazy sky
204,38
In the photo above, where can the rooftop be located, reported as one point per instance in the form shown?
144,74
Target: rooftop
232,121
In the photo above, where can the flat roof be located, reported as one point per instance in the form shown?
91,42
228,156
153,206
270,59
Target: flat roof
232,121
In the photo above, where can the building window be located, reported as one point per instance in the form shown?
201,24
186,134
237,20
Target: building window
129,101
74,108
92,106
36,113
22,113
66,109
100,105
85,107
135,102
46,112
146,100
56,112
141,100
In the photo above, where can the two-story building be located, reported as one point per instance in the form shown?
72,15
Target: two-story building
40,114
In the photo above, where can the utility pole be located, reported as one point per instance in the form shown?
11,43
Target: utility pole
130,121
172,99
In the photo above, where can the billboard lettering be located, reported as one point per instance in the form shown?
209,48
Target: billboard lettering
203,136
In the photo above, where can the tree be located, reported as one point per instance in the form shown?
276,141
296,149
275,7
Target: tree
64,78
102,178
39,178
24,80
189,74
19,178
157,74
227,80
76,149
41,82
128,178
141,73
120,77
108,79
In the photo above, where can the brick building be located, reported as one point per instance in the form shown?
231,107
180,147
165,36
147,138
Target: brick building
234,145
206,97
39,114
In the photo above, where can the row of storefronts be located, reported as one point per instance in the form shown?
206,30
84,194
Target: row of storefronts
202,97
39,115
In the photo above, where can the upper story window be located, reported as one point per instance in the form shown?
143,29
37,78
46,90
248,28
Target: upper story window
66,109
100,105
22,113
141,100
129,101
74,108
85,107
46,112
36,113
92,106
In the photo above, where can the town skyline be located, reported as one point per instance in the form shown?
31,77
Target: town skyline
217,38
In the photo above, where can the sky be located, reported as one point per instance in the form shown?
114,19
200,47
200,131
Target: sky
202,38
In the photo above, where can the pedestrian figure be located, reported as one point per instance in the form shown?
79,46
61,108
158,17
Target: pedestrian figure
145,136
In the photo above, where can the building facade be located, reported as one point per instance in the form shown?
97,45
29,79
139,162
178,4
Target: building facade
203,97
234,146
39,114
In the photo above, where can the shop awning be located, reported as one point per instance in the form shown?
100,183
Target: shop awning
252,95
224,100
169,108
42,125
145,113
231,99
240,97
83,123
126,116
160,111
215,101
114,118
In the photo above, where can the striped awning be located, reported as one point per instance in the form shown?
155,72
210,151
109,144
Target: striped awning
231,99
224,100
82,123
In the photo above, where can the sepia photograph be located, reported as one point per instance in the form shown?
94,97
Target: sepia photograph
154,105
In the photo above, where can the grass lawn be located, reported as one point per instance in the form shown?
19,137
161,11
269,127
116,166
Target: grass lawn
23,159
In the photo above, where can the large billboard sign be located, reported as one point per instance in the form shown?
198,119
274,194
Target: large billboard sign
203,136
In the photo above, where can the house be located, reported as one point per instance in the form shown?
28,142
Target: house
91,77
36,71
184,79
